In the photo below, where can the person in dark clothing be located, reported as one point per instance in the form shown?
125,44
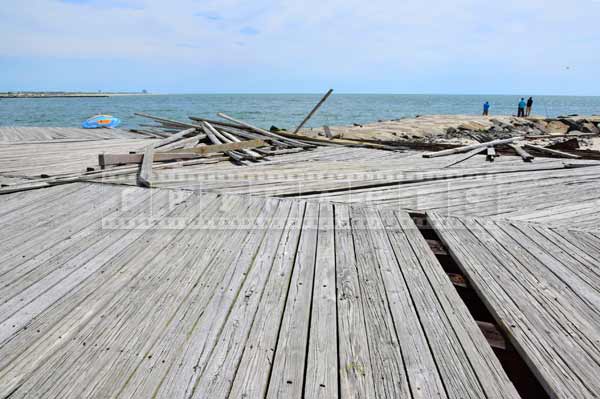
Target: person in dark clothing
529,105
486,108
521,110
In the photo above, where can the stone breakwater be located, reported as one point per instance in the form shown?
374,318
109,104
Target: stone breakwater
465,129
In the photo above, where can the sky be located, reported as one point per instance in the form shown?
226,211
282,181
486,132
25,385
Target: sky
308,46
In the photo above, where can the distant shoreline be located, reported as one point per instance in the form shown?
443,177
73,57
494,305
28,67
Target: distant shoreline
66,95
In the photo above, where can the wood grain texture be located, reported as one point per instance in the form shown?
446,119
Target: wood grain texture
130,292
540,289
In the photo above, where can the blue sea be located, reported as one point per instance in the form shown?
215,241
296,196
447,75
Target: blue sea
281,110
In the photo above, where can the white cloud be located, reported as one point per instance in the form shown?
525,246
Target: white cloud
338,38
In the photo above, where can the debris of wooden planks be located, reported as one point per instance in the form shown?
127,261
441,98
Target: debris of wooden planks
215,122
470,147
342,142
145,175
566,145
168,122
312,112
170,139
247,144
553,152
527,157
554,136
468,155
122,159
230,138
94,175
213,137
183,143
288,141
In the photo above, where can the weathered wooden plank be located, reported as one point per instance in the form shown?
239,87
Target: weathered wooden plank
561,154
387,363
288,141
468,155
221,368
247,144
312,112
413,316
527,157
322,358
254,369
455,318
170,139
145,175
21,356
209,293
287,377
562,357
121,159
470,147
355,371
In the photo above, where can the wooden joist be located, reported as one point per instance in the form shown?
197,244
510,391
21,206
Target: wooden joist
168,121
183,143
553,152
527,157
312,112
288,141
170,139
468,155
470,147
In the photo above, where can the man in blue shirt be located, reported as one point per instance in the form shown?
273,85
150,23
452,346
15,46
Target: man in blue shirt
521,111
486,108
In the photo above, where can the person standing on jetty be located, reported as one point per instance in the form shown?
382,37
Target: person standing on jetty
529,105
486,108
521,110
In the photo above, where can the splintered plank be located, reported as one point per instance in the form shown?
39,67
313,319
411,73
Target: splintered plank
388,366
287,376
254,369
355,372
321,371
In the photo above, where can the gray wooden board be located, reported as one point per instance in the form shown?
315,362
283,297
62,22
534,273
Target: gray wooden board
182,294
16,134
508,188
541,290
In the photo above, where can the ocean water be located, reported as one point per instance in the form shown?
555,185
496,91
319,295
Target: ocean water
281,110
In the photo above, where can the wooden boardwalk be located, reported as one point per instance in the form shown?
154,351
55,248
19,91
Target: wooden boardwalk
508,188
544,190
542,285
56,158
227,296
15,134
